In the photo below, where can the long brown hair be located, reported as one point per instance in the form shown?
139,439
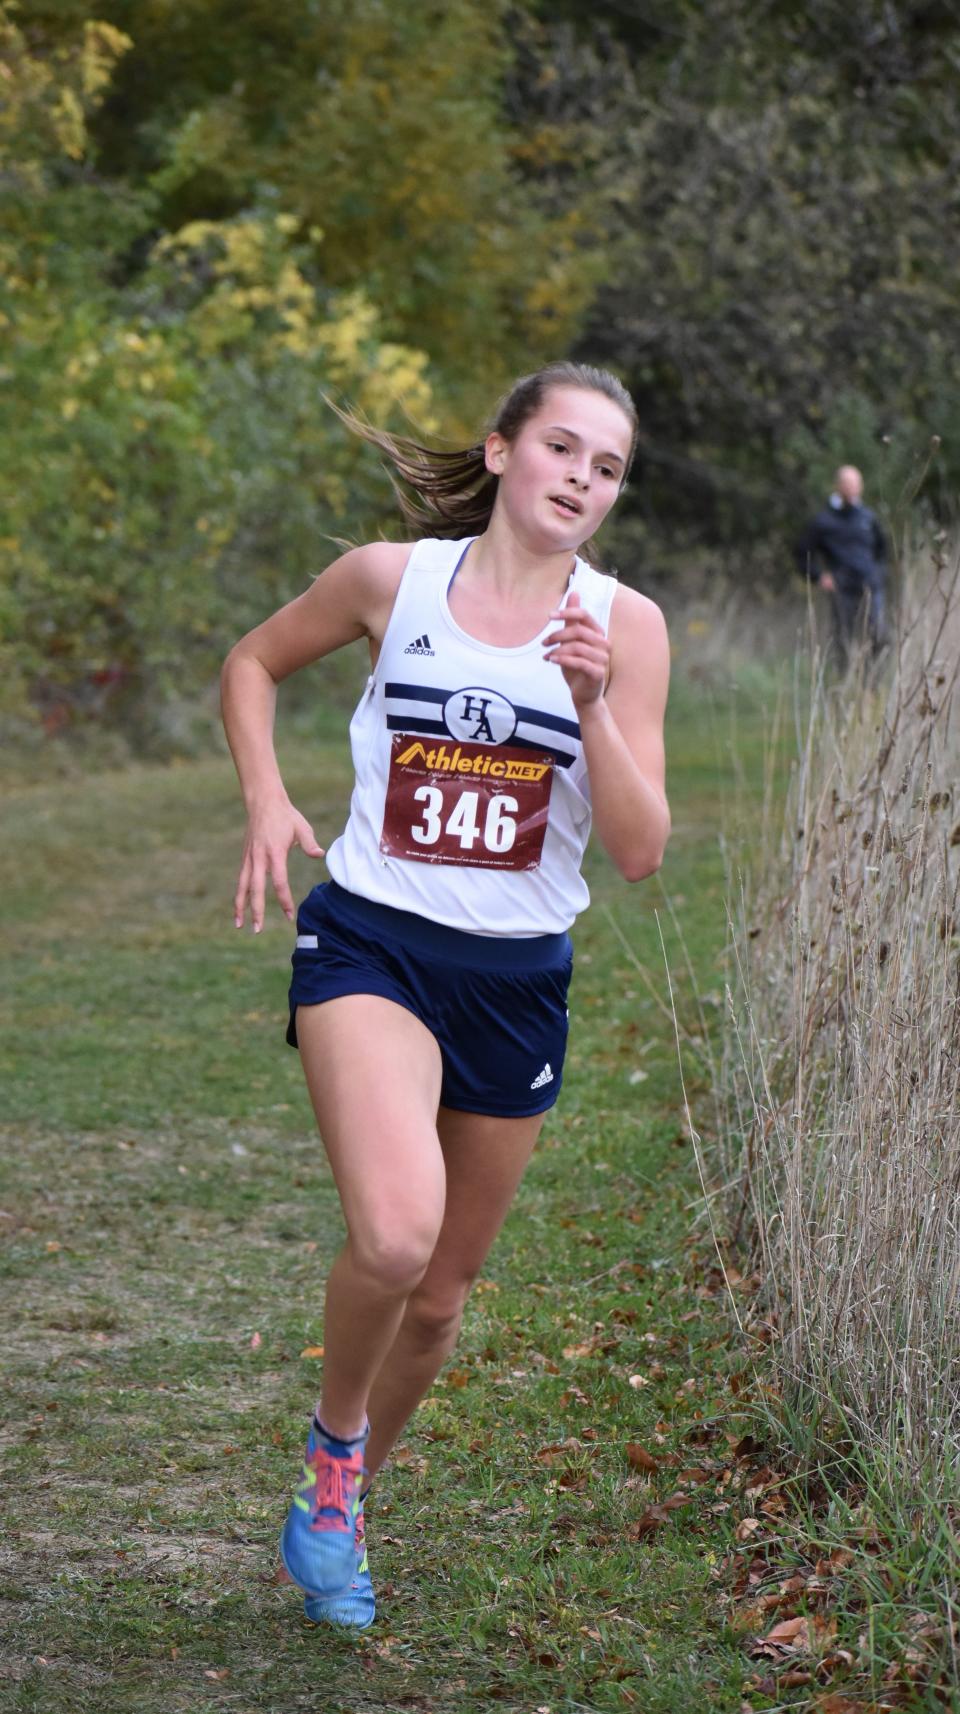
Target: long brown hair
452,494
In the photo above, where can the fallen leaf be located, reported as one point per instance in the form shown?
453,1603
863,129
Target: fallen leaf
652,1519
758,1480
551,1454
571,1396
312,1351
255,1341
774,1507
410,1460
841,1660
792,1586
796,1632
656,1516
771,1602
222,1673
640,1458
790,1636
745,1447
747,1618
839,1559
746,1528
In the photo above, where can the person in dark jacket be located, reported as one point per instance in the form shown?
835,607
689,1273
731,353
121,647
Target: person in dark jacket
844,550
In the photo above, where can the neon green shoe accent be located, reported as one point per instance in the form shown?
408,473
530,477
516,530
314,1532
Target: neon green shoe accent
304,1507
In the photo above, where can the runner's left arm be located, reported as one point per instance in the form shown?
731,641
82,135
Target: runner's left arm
619,688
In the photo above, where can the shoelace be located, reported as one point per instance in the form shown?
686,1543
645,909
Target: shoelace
335,1481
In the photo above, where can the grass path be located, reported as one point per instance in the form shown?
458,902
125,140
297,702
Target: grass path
167,1218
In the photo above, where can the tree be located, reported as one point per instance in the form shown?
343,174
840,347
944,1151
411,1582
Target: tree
380,127
171,468
781,195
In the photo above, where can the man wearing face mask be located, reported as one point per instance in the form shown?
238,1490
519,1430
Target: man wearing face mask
843,550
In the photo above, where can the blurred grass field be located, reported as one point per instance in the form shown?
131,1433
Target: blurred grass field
167,1220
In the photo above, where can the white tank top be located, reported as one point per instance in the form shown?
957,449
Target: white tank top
471,805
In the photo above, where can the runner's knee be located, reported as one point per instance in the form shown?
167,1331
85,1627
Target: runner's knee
434,1313
394,1254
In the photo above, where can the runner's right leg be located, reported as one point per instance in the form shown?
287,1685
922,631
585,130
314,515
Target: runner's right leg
373,1071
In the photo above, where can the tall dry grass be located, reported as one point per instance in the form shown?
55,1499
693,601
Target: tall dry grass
841,1132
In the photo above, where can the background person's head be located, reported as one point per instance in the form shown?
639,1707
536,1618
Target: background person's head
848,483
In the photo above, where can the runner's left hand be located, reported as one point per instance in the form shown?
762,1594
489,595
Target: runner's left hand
581,651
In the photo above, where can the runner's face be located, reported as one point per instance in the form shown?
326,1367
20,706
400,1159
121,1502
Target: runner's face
562,473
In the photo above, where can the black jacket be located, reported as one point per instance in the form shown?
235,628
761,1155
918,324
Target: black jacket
847,541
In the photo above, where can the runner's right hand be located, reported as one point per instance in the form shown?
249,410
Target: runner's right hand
271,833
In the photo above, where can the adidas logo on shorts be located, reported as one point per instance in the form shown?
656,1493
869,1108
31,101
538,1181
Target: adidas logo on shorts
543,1078
420,646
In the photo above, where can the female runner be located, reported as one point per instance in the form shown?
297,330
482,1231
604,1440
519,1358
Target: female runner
514,691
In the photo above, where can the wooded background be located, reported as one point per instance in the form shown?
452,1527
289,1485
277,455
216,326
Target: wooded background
216,211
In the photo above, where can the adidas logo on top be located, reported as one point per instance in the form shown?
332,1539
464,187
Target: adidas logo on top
543,1077
419,646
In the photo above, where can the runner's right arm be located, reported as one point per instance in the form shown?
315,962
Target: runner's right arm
353,598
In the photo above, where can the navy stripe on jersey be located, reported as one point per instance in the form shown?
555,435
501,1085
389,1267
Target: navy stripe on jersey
562,758
552,722
417,692
422,699
415,723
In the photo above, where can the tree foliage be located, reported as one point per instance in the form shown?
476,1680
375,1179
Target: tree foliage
379,127
215,212
781,192
217,217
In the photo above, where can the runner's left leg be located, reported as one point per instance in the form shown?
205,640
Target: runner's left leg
484,1159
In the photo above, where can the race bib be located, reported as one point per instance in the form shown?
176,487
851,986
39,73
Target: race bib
478,804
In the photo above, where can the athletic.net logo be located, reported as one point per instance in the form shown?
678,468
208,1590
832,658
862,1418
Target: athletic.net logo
420,646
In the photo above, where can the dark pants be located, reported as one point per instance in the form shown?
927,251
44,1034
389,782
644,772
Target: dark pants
859,616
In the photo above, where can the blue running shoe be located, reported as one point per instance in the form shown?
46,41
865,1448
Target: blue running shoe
318,1540
356,1608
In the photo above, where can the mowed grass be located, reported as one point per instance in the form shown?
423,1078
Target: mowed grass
167,1221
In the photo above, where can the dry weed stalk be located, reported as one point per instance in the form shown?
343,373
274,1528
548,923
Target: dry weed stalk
843,1050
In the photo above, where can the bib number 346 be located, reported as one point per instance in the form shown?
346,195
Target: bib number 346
494,823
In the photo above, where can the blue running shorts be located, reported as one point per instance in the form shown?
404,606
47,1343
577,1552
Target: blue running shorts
497,1007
